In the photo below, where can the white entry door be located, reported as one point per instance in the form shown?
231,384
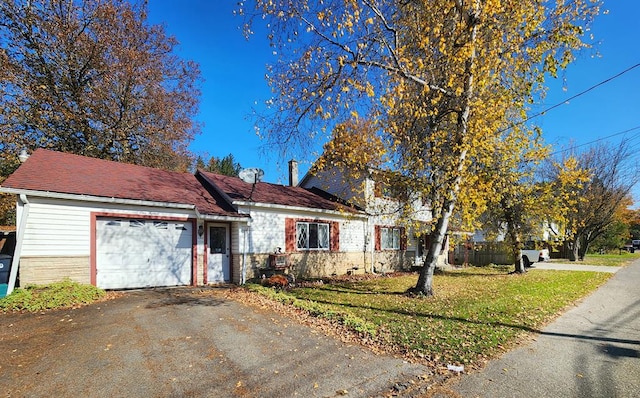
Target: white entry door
218,269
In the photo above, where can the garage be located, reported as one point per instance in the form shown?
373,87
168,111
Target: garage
136,253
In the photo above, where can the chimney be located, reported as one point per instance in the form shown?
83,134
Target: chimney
23,156
293,173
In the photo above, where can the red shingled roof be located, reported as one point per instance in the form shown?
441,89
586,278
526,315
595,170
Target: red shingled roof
267,193
59,172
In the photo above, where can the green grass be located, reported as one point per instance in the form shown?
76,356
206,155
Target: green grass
475,313
57,295
615,259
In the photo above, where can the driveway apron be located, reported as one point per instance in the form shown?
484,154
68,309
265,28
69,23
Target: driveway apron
593,350
163,343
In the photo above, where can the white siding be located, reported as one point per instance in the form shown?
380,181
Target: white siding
267,230
352,236
62,227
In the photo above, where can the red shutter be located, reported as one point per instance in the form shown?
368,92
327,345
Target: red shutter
377,189
290,234
377,237
403,239
334,236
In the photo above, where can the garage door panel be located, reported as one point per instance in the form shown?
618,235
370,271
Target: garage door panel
142,253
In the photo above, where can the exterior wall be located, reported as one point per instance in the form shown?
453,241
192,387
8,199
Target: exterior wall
383,211
305,265
266,233
398,260
48,269
57,237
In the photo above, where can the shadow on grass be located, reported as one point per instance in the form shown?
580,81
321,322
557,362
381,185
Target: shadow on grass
485,322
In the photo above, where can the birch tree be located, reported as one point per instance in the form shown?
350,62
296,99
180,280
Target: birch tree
441,79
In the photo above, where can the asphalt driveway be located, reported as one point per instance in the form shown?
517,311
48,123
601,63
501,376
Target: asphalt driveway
173,342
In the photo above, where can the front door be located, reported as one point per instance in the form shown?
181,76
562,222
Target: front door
218,257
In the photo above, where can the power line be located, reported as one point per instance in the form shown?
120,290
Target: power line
596,140
572,97
582,93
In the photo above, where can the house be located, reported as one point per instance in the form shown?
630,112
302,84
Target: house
399,234
119,226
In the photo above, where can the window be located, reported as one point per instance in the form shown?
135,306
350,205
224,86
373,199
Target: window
161,224
390,238
136,223
312,236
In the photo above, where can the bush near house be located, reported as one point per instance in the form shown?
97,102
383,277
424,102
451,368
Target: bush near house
64,294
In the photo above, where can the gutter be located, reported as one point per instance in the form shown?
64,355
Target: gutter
112,200
298,208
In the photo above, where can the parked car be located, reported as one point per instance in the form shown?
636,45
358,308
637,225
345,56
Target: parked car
530,256
636,243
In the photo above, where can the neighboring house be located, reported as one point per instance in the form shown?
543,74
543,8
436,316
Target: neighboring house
390,245
118,225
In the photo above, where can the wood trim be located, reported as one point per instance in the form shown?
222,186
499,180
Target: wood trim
290,235
334,236
205,257
194,251
92,249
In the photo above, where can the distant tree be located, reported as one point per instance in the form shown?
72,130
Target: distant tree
440,78
92,77
7,202
225,166
613,172
615,236
200,164
634,223
516,202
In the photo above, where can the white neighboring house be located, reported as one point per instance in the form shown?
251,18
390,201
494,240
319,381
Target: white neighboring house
120,226
390,246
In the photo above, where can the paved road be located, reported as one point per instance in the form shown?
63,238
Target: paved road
172,343
593,350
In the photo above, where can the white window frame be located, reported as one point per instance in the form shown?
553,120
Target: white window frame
390,238
323,239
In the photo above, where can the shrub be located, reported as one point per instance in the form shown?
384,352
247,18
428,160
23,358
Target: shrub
64,294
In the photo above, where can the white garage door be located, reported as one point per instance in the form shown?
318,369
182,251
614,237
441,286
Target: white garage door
132,253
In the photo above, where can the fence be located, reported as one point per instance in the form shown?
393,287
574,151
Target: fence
481,253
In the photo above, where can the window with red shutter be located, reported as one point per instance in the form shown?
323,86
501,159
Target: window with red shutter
305,234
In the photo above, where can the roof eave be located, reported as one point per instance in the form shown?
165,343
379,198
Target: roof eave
112,200
275,206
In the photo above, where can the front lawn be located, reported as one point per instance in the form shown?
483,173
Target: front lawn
612,259
476,312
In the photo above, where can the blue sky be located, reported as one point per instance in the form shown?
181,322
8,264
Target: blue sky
233,70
